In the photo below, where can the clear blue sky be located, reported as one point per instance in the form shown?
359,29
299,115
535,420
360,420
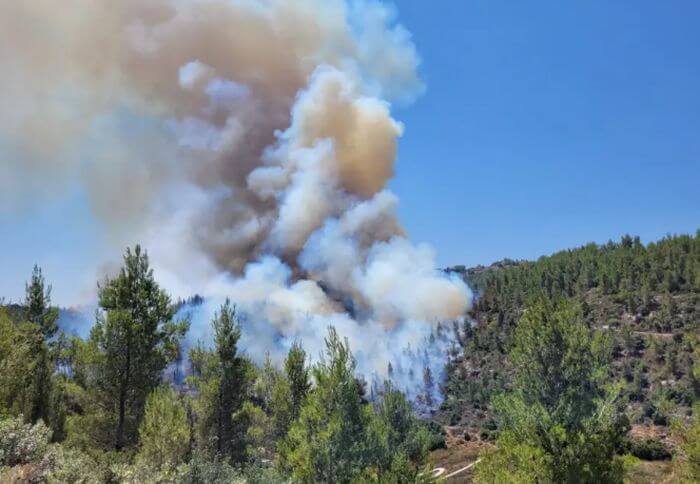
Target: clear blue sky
545,125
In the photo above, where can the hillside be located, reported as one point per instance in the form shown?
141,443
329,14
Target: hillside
603,340
646,297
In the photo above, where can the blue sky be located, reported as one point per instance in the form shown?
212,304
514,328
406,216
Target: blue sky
548,124
544,125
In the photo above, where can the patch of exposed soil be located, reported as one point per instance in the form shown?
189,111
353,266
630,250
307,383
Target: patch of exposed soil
459,453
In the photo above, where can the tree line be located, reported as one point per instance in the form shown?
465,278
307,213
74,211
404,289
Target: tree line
101,409
560,356
549,380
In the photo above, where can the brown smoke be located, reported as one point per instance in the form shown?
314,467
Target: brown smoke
70,64
242,141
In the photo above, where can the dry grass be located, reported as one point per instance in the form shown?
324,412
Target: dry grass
458,454
651,472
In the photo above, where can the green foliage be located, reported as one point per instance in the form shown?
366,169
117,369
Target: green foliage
89,426
627,266
515,462
164,433
132,341
559,412
57,408
15,361
282,406
397,443
142,472
216,470
298,376
57,464
258,439
40,371
64,464
544,371
649,449
28,359
631,290
272,392
338,438
327,442
688,462
222,379
436,436
38,305
659,408
231,373
42,319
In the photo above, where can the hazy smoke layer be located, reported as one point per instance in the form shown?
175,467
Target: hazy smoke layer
247,144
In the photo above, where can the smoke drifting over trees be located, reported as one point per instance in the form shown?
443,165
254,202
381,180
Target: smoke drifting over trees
248,145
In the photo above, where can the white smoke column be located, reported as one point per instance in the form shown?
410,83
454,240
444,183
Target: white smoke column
248,145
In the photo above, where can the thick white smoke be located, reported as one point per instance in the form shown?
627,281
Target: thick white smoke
248,145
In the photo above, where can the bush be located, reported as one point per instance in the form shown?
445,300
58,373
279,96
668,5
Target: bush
22,443
211,471
522,463
687,463
141,472
436,436
263,474
658,410
70,465
649,449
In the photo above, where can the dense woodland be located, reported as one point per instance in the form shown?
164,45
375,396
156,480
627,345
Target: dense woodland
559,360
643,300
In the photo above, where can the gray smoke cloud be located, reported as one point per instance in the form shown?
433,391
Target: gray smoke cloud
247,144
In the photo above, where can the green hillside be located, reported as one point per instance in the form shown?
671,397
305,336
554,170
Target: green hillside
570,368
646,298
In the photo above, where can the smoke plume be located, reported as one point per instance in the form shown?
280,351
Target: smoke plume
248,145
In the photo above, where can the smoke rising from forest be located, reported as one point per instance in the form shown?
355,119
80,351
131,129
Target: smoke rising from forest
248,146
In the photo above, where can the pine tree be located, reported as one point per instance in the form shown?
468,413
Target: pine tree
15,361
43,323
38,305
135,337
559,423
395,436
328,441
164,432
298,376
282,406
231,382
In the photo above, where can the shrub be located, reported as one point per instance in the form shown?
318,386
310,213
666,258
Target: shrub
649,449
22,443
688,459
211,471
70,465
436,436
142,472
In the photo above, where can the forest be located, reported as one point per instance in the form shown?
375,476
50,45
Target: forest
640,306
577,367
